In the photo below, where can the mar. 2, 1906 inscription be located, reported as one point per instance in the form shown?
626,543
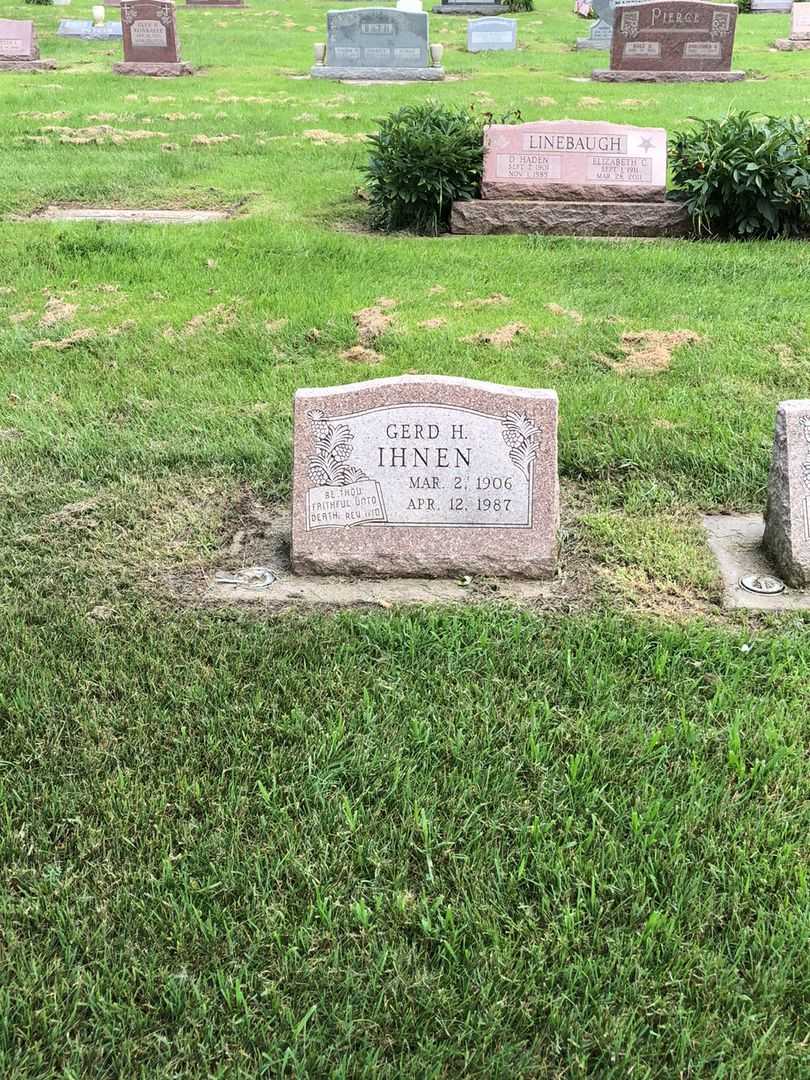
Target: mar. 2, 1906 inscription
420,475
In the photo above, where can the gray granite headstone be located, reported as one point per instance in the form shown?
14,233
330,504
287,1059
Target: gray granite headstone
771,7
491,35
83,28
369,43
601,33
469,7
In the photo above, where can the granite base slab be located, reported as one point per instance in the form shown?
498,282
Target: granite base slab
27,65
609,75
791,45
216,3
469,9
389,74
126,216
736,542
156,71
584,43
492,217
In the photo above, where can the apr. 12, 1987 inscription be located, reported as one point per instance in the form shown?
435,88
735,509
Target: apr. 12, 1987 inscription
392,472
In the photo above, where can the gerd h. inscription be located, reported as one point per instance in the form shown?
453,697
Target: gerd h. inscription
425,476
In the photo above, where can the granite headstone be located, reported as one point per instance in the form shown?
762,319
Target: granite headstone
425,476
19,50
151,42
83,28
377,43
672,41
573,178
799,29
787,517
491,35
469,7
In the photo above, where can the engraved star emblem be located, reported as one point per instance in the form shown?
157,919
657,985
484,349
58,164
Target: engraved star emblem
646,145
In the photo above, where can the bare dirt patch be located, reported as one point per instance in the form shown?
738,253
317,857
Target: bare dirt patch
649,352
360,354
78,337
372,322
500,338
57,311
99,135
432,324
568,313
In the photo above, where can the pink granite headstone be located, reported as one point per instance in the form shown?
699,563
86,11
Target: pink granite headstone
18,40
800,22
787,518
425,476
587,160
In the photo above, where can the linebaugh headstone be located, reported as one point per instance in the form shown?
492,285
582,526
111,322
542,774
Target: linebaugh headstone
573,177
491,35
425,476
672,41
469,7
151,43
377,43
787,517
799,29
19,50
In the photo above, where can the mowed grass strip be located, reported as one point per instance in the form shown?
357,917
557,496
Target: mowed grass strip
481,844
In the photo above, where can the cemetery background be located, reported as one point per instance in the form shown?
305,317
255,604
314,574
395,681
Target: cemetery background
293,843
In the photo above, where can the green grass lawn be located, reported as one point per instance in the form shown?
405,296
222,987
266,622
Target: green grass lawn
481,842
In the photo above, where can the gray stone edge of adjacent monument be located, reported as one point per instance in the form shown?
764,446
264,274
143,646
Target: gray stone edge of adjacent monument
391,74
792,44
154,70
488,217
27,65
777,539
151,216
609,75
313,393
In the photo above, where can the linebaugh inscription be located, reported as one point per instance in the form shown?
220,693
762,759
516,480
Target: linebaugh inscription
787,518
425,476
570,159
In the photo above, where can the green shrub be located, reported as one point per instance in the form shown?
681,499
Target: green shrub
744,175
744,6
39,1
524,5
424,157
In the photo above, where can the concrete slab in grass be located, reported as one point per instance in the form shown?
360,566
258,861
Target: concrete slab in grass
736,541
121,216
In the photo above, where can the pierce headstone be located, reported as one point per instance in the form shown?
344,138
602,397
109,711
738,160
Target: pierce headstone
672,41
491,35
19,50
799,29
377,44
787,517
425,476
151,42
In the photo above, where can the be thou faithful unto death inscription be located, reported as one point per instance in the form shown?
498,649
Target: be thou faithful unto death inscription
573,159
425,475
